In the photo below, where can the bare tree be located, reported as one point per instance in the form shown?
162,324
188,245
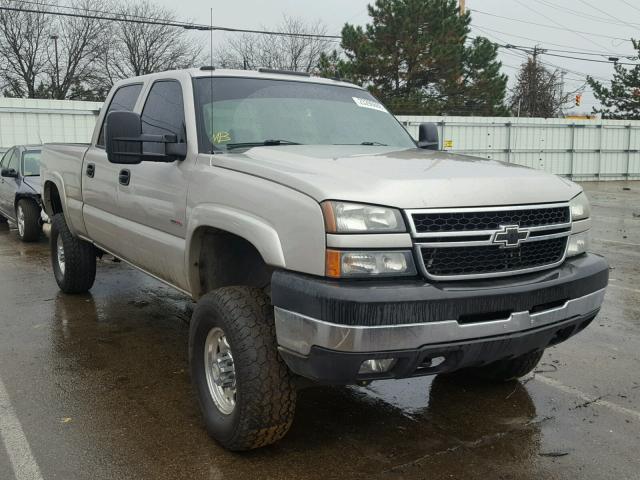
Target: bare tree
539,91
23,37
74,54
295,50
142,48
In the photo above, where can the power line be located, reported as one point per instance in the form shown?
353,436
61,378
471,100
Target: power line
630,5
549,26
579,52
609,15
584,37
583,75
170,23
529,49
593,18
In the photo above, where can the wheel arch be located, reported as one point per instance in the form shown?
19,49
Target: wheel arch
52,198
227,247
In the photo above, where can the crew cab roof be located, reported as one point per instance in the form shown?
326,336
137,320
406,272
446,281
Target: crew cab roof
269,75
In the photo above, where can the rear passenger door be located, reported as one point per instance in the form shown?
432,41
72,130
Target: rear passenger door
153,199
100,179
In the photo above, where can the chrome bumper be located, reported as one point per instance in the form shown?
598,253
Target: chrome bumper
298,333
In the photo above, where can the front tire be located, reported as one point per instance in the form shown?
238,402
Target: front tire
508,369
28,220
73,260
245,390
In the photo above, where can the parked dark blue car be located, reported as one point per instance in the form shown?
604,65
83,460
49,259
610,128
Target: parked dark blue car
20,190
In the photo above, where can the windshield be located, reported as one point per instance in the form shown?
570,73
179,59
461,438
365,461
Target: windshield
31,163
236,113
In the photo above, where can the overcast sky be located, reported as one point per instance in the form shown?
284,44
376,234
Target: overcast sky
555,13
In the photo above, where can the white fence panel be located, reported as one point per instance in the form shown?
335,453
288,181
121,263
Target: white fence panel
33,121
580,149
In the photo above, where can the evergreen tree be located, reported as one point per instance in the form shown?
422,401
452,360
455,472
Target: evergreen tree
622,99
414,57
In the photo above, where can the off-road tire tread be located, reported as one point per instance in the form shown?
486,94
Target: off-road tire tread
80,258
268,393
509,369
32,228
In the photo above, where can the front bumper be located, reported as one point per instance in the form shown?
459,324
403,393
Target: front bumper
326,329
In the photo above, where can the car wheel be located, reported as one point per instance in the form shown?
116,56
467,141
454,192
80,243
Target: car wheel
244,388
28,220
73,260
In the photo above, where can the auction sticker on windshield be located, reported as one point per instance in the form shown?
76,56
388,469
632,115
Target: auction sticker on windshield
366,103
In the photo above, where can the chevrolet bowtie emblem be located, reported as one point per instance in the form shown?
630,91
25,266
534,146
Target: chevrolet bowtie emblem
510,236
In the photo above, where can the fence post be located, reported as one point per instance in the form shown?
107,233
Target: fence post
626,172
573,150
508,125
601,127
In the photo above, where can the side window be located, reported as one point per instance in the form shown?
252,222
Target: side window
163,113
123,100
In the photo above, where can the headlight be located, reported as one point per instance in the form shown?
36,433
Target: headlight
369,264
580,208
578,244
344,217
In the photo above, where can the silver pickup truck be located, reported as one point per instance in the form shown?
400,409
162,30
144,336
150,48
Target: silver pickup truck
321,241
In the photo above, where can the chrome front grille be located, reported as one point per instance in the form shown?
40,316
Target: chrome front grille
465,243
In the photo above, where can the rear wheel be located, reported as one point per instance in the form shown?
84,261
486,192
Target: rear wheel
28,220
73,260
244,388
508,369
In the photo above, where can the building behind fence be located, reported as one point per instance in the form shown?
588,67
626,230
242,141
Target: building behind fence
31,121
580,149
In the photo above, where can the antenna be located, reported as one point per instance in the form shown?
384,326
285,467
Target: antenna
211,136
211,39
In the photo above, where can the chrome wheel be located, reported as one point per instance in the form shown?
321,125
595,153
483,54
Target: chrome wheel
60,254
20,220
220,371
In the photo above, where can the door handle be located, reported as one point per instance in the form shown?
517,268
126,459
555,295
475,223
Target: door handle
124,177
91,170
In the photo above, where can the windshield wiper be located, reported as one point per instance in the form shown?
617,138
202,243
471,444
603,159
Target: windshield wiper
368,144
263,143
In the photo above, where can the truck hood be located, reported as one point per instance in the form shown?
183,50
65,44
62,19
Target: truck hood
413,178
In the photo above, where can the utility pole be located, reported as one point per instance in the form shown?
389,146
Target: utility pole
533,83
55,44
462,5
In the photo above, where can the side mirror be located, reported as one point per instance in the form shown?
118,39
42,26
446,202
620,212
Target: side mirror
124,141
428,136
9,172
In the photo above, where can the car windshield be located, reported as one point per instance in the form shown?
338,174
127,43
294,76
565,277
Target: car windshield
237,113
31,163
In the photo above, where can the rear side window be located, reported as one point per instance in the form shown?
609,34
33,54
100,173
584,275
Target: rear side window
163,113
123,100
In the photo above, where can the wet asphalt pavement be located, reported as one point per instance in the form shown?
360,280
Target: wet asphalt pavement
98,387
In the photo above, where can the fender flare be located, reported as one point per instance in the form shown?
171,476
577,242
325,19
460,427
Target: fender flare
55,179
257,231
